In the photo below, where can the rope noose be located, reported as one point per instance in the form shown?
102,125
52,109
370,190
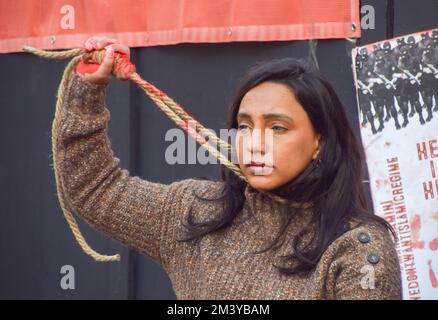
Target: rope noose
123,69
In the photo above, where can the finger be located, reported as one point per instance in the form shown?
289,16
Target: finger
106,66
104,41
98,42
94,42
87,46
120,48
89,43
108,41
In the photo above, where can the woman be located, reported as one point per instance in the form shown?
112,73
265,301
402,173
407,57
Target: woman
228,239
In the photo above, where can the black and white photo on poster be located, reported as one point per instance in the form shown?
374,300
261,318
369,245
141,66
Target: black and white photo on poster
397,81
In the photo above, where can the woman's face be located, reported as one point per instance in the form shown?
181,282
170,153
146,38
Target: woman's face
275,133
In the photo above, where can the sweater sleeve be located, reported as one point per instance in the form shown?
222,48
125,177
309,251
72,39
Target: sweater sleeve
130,210
366,266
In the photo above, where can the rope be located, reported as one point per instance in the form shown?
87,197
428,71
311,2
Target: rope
67,214
124,70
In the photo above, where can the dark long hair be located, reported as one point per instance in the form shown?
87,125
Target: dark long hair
333,183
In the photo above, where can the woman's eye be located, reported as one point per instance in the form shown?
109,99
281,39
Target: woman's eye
278,128
242,127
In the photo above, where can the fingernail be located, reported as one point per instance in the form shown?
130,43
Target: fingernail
110,53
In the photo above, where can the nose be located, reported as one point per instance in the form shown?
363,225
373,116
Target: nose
254,145
257,143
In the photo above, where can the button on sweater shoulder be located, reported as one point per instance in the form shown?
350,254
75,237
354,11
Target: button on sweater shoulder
147,217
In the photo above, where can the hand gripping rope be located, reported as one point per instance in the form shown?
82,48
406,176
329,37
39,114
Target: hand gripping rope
123,69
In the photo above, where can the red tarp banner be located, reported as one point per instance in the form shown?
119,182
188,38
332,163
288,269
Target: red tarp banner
60,24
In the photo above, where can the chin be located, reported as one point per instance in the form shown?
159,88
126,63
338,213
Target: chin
262,183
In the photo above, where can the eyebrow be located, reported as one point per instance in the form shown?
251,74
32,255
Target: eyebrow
267,116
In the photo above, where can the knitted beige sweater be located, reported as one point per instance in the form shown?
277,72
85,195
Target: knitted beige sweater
145,216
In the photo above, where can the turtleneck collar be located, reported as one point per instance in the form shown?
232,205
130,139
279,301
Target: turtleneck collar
266,209
269,215
256,199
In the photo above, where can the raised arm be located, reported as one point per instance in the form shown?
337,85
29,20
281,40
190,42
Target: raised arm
140,214
94,186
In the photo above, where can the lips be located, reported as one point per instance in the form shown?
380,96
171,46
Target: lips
256,164
259,168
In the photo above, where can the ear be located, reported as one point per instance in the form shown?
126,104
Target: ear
317,146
